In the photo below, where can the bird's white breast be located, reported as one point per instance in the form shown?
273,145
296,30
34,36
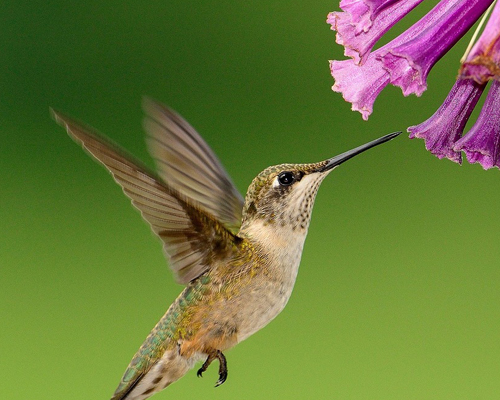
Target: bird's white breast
282,250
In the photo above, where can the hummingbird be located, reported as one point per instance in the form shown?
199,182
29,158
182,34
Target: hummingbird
238,258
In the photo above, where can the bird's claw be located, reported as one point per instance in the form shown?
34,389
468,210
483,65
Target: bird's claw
222,366
222,378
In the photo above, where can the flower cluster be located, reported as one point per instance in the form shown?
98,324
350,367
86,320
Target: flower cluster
406,61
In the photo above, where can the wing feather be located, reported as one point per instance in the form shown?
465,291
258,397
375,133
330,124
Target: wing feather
187,163
189,231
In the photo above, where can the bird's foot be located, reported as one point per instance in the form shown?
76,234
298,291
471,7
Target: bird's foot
205,365
222,366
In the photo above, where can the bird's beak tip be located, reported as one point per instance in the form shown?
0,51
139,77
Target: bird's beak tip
337,160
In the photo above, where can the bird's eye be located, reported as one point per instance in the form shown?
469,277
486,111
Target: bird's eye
286,178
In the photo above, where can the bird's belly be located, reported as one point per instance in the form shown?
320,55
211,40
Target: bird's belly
262,302
247,302
259,309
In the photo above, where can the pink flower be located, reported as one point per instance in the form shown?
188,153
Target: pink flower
482,143
363,23
445,127
359,86
483,61
407,60
411,56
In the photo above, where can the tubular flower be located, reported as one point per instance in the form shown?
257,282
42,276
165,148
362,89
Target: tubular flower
443,131
445,127
359,86
483,62
482,143
363,23
407,60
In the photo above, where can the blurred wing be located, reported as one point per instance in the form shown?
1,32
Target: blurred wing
187,163
188,233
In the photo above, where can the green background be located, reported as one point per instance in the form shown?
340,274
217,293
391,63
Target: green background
398,295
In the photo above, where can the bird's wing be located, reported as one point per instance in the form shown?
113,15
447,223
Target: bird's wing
187,163
191,236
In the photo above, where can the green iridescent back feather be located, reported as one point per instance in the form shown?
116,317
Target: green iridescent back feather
163,337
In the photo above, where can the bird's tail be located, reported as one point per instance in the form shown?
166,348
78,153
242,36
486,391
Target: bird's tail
138,384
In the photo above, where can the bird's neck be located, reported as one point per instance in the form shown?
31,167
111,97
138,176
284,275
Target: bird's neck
281,245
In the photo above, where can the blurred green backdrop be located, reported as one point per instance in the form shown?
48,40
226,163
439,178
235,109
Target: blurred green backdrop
398,295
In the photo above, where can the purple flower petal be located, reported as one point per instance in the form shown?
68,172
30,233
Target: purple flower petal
357,12
483,61
357,39
363,12
445,127
410,56
359,85
482,143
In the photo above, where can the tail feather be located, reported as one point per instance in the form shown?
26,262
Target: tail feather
171,367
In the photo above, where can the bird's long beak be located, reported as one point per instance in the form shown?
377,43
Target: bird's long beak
337,160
